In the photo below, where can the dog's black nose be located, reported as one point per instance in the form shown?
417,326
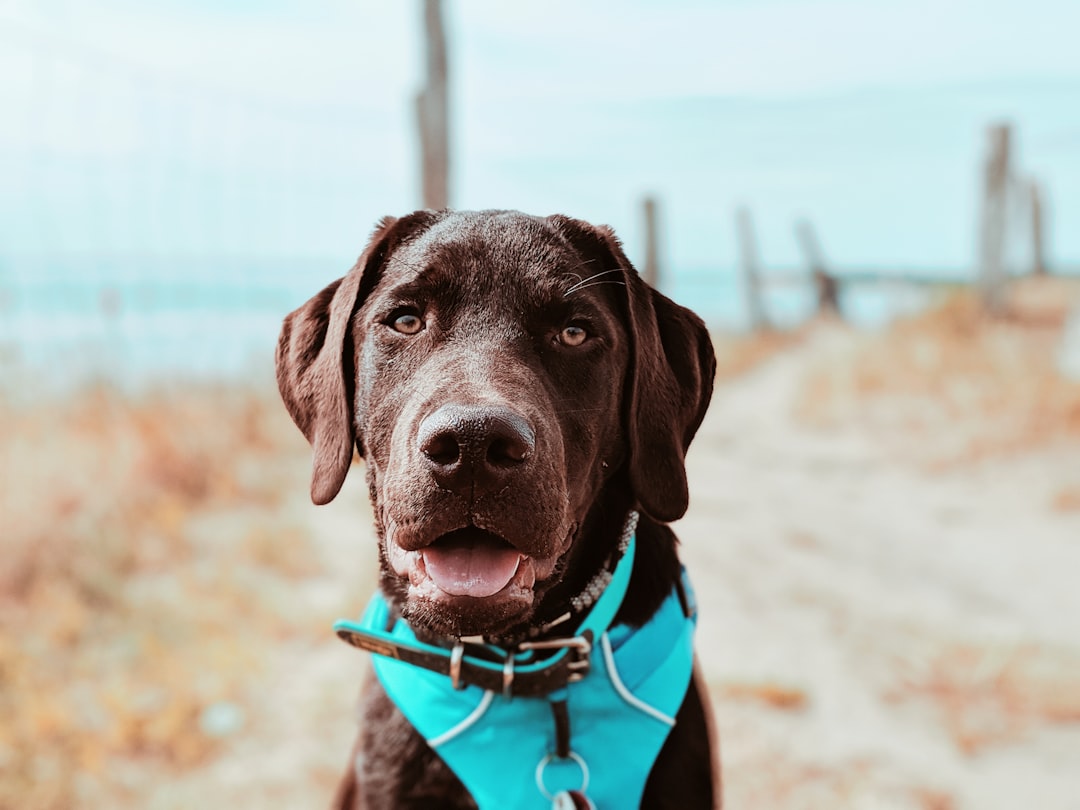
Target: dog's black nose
473,449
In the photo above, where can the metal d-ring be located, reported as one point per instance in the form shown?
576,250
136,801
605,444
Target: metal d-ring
547,760
508,676
455,665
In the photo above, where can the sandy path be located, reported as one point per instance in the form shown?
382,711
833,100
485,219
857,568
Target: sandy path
301,723
826,567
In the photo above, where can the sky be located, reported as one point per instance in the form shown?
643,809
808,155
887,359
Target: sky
279,128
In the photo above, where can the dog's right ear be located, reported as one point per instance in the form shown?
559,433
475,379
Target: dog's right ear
315,365
670,381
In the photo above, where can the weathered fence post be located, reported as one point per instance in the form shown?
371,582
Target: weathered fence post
432,112
650,269
750,265
991,268
828,293
1038,245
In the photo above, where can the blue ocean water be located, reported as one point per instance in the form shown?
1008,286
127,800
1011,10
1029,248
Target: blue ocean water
134,321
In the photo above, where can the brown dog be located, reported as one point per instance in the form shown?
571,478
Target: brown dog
516,391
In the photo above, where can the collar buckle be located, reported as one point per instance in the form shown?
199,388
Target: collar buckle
579,648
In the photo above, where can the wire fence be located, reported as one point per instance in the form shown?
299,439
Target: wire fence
152,225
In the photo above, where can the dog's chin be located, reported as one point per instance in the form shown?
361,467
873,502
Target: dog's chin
468,582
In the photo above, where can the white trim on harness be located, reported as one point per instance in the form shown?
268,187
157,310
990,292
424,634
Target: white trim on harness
620,687
465,724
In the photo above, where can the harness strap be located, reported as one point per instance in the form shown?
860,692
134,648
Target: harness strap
507,752
561,716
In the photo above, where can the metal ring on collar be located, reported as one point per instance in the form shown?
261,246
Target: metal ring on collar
547,760
455,665
508,676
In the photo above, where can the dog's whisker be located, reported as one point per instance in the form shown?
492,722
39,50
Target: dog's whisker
575,287
579,288
573,274
592,278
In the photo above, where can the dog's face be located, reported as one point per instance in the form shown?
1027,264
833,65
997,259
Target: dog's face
491,367
490,375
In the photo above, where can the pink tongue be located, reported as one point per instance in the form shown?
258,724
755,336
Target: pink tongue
471,568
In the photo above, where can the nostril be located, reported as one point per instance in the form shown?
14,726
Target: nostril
505,453
442,448
474,448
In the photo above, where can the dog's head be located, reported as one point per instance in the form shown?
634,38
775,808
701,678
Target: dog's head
498,373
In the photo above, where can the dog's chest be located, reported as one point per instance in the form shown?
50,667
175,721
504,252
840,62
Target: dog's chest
504,750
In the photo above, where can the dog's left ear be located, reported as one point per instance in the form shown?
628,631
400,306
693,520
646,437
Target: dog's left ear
672,367
315,363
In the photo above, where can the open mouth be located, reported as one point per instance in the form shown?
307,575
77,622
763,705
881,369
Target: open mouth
471,562
467,581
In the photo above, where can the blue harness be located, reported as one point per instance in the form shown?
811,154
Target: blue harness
592,729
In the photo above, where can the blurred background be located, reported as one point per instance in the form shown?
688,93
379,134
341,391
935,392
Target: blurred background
875,205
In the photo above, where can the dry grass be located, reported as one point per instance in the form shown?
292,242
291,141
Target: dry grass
773,779
987,695
932,799
738,354
971,386
1067,499
130,626
777,696
784,783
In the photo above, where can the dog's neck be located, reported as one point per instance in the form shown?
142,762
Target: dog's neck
656,564
655,571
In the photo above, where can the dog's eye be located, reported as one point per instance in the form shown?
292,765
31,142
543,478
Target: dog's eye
573,336
407,323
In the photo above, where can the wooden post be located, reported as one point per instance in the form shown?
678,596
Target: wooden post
828,292
991,268
650,270
432,113
750,265
1038,246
